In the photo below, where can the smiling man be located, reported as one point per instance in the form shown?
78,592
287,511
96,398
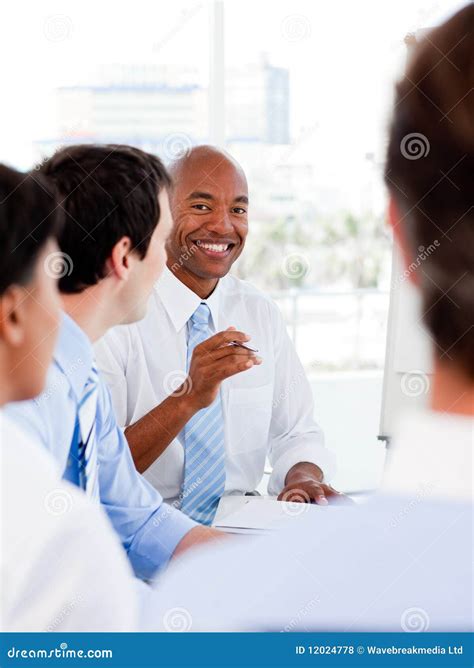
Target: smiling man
209,384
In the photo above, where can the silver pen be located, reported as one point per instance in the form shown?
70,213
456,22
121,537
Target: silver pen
242,345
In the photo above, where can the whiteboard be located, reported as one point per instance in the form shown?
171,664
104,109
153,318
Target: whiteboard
408,360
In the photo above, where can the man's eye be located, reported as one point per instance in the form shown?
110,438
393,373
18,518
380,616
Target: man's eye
238,209
201,207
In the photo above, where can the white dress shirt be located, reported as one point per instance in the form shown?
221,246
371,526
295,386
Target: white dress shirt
268,410
62,566
403,562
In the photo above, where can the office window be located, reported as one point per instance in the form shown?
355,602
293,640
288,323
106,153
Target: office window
299,93
308,92
105,72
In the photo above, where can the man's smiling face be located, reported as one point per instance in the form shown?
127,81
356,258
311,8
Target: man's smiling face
209,203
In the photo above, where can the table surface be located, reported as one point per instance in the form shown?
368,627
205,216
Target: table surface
231,503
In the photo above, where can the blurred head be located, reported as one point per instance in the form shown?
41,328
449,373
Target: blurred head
113,197
429,173
209,203
29,301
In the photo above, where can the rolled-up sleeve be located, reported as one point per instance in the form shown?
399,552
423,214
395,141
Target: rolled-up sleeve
295,435
149,529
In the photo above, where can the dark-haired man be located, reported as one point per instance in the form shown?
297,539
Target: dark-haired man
60,560
117,219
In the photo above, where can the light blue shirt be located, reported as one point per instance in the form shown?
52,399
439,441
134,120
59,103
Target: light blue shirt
148,528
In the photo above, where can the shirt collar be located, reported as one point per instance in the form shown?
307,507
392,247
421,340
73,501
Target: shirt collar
74,354
180,302
432,456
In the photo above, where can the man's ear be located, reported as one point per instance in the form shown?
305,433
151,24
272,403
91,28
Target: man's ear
397,223
118,264
12,316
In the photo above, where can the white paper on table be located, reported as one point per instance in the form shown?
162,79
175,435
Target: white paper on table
257,514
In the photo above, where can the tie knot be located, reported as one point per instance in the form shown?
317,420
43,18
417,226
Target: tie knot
201,315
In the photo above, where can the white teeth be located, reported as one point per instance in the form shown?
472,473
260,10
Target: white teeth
217,248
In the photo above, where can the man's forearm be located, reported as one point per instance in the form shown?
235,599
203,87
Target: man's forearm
150,436
196,537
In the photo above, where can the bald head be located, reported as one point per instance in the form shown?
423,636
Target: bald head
209,202
204,158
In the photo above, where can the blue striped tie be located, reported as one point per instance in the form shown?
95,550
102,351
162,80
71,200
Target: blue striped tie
204,451
82,464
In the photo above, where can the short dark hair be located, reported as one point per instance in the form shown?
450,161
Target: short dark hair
29,217
107,192
434,109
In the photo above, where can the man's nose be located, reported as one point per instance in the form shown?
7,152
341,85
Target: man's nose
220,223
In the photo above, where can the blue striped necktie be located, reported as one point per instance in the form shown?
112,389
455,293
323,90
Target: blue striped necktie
204,451
82,464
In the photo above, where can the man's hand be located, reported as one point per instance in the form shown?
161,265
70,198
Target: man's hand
212,362
303,484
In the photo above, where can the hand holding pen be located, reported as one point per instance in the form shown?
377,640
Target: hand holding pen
221,356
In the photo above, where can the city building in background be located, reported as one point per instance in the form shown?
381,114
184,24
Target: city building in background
258,104
164,109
